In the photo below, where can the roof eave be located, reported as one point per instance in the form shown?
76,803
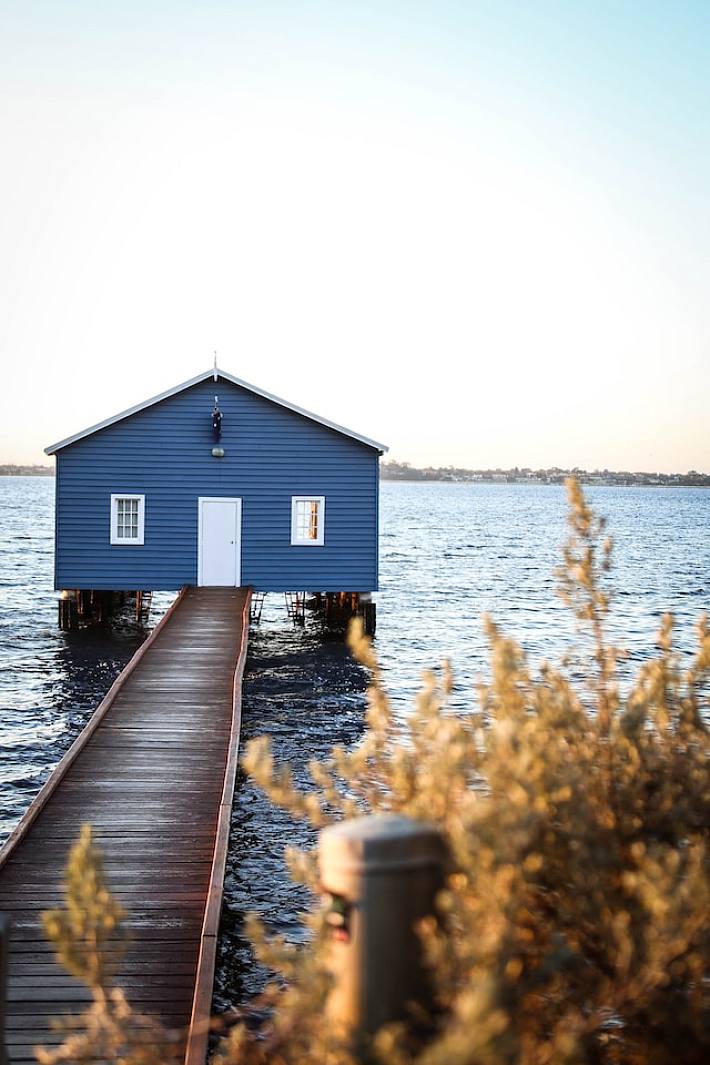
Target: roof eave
381,448
53,448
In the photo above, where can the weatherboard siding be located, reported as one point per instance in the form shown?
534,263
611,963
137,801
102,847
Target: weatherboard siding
164,453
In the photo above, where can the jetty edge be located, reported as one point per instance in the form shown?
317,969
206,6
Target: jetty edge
154,772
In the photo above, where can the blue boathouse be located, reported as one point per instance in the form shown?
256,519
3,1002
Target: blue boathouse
216,482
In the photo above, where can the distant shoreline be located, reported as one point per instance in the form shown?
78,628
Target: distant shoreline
10,470
543,484
402,471
607,479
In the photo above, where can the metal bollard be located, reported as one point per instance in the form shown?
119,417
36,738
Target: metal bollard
4,946
382,874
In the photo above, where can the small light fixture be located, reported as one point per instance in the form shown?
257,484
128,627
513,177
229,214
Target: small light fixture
217,452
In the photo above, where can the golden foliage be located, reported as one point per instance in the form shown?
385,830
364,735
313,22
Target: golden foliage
574,927
90,919
89,937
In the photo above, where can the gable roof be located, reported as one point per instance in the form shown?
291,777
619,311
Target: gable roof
216,374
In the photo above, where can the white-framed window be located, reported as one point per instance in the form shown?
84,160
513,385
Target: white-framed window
308,520
127,519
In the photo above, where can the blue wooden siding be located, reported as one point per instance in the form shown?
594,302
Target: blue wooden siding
164,452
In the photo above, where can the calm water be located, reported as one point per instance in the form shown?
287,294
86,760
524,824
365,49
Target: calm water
448,554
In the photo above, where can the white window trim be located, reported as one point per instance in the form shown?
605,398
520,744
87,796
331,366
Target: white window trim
122,541
295,541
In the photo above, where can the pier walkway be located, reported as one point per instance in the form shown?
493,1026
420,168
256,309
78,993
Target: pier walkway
153,772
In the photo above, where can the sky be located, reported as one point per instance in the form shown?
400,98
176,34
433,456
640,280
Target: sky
477,231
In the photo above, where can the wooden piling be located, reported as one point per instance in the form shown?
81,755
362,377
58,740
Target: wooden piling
336,610
79,607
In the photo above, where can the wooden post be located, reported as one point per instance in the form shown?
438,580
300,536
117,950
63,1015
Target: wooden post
86,606
382,874
67,610
369,614
4,944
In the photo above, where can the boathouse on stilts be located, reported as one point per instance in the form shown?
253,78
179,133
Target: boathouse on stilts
213,484
217,483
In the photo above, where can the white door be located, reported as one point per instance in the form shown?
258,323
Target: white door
219,542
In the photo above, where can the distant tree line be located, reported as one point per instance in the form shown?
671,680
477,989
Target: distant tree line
403,471
26,471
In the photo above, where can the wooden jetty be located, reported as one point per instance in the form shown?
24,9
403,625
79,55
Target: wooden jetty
154,773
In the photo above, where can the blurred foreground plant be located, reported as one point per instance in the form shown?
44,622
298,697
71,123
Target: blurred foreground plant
90,938
574,927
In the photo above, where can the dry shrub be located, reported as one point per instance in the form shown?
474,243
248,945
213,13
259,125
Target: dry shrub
574,927
89,936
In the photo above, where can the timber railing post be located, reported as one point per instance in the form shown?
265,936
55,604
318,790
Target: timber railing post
4,945
382,874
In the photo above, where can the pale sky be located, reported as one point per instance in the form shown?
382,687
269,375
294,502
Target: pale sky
478,231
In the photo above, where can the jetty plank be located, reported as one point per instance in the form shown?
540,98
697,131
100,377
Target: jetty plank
154,773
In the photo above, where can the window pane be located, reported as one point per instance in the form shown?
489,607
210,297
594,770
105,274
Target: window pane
313,521
127,515
307,520
301,519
